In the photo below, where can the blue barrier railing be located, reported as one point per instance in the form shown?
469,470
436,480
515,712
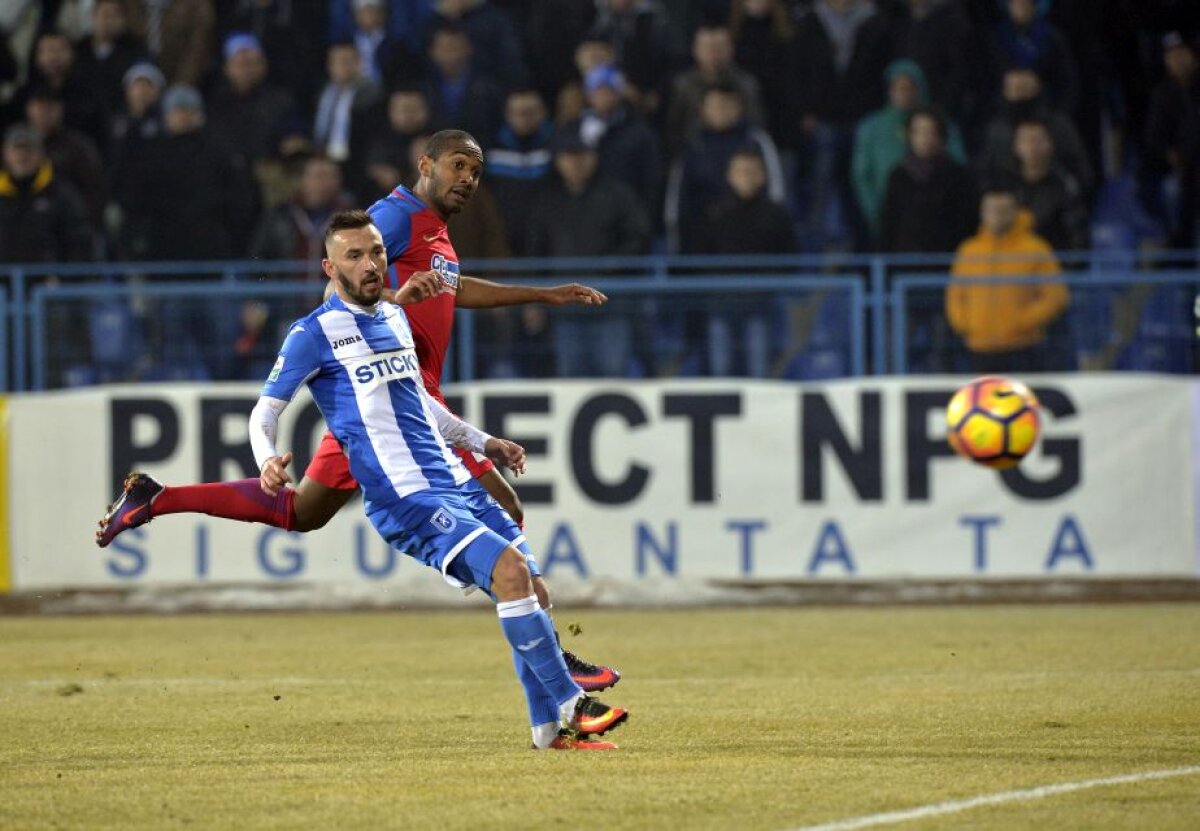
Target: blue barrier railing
878,290
462,360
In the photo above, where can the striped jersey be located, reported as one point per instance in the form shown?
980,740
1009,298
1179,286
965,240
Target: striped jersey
363,372
417,240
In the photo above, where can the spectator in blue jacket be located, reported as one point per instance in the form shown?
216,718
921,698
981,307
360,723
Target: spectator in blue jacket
519,161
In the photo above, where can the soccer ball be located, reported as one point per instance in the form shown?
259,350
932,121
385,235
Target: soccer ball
993,421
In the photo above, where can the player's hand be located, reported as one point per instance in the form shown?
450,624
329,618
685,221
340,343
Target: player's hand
274,474
506,453
420,286
575,293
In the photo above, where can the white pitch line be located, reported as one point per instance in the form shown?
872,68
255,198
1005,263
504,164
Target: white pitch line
940,808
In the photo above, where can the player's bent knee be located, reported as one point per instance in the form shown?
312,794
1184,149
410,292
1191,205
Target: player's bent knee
510,576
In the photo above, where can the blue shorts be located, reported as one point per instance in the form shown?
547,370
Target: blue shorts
439,528
488,510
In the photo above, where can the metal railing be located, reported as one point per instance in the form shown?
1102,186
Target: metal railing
851,314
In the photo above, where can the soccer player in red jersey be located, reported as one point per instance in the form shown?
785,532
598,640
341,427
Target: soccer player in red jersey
424,276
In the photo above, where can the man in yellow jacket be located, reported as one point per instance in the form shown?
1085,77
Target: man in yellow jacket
1004,324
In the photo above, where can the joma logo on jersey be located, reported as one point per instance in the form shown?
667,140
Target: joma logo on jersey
387,367
340,342
446,269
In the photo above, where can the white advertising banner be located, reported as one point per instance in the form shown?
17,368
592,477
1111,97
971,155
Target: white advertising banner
646,481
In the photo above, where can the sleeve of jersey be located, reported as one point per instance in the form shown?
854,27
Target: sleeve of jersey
453,429
395,224
299,359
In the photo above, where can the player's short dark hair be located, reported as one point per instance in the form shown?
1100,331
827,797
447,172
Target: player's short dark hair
349,220
443,141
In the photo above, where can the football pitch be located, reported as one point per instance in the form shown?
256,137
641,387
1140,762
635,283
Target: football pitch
746,719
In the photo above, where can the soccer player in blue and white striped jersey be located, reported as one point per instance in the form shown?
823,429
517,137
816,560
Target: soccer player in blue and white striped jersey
357,357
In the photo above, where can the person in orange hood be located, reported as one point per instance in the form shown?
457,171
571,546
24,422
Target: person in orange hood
1004,324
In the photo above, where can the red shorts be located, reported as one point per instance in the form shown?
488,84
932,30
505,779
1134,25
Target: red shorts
331,468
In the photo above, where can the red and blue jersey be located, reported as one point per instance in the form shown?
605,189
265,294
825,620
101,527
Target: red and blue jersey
417,240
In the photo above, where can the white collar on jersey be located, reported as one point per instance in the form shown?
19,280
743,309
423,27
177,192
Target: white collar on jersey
370,311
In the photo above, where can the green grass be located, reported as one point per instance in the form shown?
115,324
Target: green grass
754,719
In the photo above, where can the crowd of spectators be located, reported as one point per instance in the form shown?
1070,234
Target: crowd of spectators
226,129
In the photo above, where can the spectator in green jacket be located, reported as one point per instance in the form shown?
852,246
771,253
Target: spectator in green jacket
879,142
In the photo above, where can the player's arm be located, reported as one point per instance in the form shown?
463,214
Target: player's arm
469,437
476,293
264,427
298,361
420,286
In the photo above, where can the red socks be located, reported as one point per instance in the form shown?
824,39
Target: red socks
243,500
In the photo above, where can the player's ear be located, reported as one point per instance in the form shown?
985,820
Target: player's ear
425,165
328,267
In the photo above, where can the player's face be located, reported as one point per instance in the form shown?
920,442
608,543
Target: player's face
357,262
452,178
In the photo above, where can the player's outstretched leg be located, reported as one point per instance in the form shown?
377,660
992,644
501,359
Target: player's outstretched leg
143,498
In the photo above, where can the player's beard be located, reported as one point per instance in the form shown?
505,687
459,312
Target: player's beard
355,294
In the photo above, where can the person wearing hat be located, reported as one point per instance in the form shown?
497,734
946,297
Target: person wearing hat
627,147
246,111
1173,137
42,218
139,118
183,196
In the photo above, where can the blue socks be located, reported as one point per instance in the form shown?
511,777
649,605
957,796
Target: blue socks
531,634
542,706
